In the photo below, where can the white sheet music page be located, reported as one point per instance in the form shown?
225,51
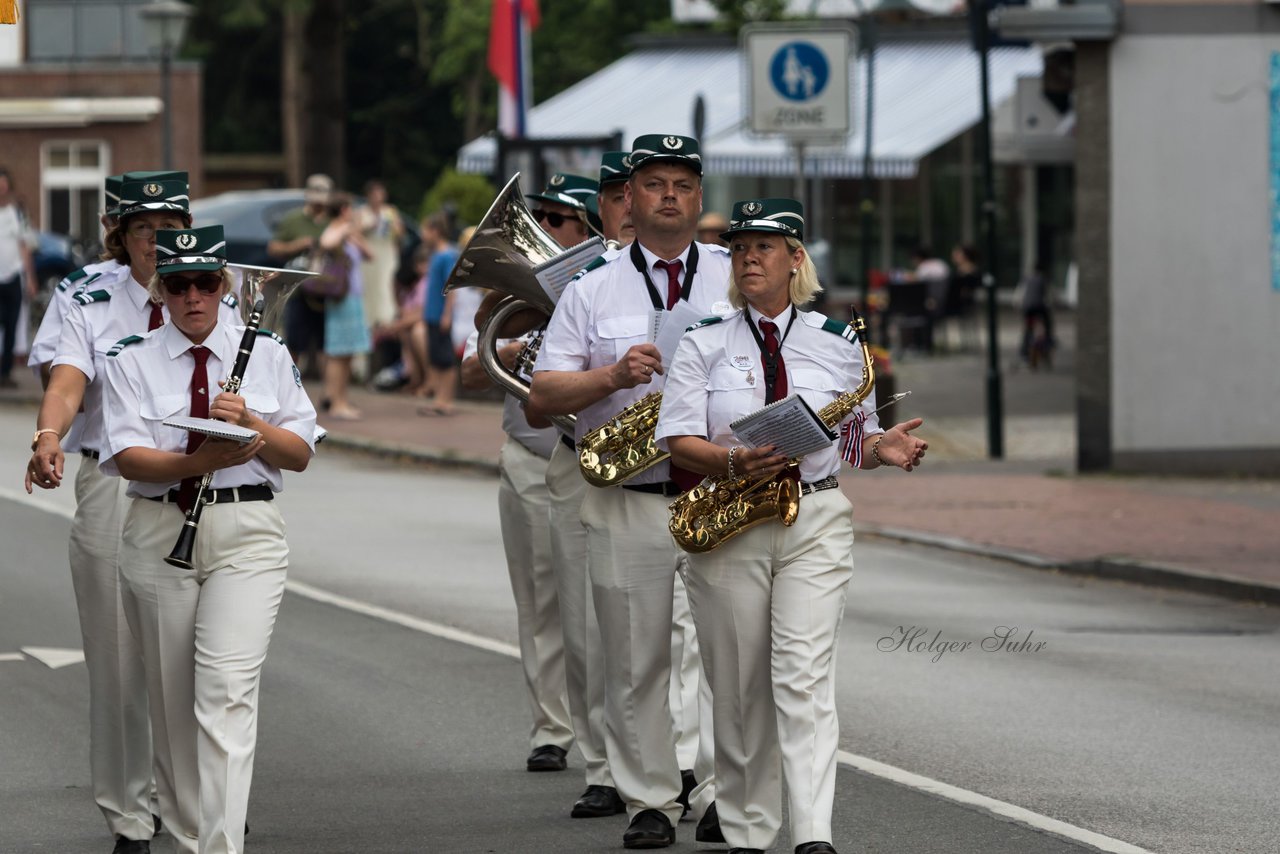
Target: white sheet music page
789,424
213,427
674,324
554,273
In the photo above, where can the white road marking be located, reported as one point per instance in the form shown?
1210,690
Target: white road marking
994,807
54,657
12,656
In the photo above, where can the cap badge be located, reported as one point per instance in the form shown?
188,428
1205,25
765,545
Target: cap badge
674,143
557,180
186,241
752,208
153,190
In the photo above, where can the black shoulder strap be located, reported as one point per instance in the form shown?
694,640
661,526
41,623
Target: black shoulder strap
637,258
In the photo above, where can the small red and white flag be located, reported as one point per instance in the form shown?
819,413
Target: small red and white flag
509,60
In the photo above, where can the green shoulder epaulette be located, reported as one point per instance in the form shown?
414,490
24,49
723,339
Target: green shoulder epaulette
274,337
706,321
87,297
230,301
122,343
73,277
844,330
594,265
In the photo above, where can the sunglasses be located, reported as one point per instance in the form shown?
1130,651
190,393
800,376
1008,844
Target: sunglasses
177,285
555,220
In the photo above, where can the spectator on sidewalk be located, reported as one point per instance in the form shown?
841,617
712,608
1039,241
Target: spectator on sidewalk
295,236
933,271
345,333
382,227
1037,330
438,316
466,302
17,272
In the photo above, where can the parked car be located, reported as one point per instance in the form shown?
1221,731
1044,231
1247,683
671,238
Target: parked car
248,218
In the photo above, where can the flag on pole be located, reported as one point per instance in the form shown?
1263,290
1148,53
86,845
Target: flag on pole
509,60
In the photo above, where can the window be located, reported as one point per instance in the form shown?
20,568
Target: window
79,30
72,174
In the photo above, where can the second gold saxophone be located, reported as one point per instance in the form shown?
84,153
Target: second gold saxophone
720,508
623,446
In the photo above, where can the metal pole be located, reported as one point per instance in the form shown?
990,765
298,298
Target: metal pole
867,207
165,63
995,403
801,189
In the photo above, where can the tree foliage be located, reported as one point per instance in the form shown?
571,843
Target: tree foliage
417,84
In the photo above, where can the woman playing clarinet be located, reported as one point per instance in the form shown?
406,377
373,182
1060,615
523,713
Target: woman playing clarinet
204,632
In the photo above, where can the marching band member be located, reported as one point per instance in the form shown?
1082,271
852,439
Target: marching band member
768,603
583,649
597,358
112,304
563,208
204,632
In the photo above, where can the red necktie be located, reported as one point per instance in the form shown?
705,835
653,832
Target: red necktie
777,389
199,409
157,317
673,269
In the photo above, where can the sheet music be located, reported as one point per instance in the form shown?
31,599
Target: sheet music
790,424
674,323
213,427
554,274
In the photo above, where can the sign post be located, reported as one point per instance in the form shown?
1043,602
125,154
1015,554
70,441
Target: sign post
799,87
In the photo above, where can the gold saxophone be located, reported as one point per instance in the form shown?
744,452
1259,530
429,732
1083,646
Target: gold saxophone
623,446
722,507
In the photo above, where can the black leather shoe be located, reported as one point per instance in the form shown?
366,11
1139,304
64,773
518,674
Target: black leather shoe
816,848
649,829
598,802
746,851
131,846
159,827
709,828
687,785
548,757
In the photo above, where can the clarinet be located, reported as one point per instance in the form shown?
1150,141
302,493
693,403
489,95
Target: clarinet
185,546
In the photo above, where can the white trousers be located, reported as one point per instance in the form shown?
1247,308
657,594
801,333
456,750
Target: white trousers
204,634
768,606
583,651
633,564
524,510
119,732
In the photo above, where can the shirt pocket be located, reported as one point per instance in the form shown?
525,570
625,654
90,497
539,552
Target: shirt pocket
263,403
154,410
617,335
730,395
817,387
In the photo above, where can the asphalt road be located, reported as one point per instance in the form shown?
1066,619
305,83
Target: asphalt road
1146,716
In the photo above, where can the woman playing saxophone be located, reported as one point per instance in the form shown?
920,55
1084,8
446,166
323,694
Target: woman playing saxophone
768,604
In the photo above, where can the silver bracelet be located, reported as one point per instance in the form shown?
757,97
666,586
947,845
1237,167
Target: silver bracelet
732,451
875,450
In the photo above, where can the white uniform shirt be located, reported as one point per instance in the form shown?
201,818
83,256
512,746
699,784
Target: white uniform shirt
149,380
717,376
14,234
603,314
541,441
102,275
92,327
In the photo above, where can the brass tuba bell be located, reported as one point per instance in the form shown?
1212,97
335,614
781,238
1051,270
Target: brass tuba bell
510,253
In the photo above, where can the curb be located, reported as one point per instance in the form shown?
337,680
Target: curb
1110,568
434,457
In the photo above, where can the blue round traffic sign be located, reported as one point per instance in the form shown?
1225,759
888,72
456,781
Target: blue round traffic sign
799,71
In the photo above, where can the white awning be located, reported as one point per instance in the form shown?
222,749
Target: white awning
926,93
75,112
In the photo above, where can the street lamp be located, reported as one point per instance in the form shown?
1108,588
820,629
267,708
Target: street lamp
166,26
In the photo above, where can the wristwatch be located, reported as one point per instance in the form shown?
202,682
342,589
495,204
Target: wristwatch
35,440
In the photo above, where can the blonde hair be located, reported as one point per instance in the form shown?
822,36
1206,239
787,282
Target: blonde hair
804,285
158,293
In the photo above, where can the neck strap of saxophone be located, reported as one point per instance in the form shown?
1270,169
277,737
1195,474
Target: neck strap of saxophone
659,301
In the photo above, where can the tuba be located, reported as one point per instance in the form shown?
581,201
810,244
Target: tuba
720,508
511,254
